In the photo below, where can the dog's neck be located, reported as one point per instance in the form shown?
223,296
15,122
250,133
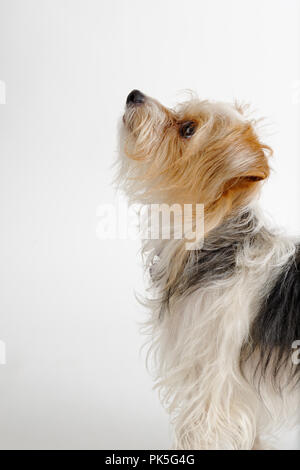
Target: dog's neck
216,259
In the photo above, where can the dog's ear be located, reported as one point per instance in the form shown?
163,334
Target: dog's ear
244,166
253,170
252,167
247,159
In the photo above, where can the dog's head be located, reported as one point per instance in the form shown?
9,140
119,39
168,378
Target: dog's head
199,152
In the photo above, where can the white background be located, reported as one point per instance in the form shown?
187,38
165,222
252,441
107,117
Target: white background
74,377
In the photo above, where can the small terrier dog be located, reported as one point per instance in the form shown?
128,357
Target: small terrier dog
225,315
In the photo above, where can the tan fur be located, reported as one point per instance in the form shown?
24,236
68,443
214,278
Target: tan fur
221,166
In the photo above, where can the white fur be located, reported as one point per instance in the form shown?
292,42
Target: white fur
197,348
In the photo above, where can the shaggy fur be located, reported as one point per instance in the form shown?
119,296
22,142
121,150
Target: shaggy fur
225,314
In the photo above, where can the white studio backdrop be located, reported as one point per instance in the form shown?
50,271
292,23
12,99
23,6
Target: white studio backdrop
74,377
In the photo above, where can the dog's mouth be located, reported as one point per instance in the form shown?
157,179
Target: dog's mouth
128,121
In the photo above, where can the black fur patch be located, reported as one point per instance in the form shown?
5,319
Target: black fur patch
217,258
277,324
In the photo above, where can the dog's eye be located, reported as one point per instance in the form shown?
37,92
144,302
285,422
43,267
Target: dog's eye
187,129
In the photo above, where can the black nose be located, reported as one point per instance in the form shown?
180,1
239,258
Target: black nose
135,97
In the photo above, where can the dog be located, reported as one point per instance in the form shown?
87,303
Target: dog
224,317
